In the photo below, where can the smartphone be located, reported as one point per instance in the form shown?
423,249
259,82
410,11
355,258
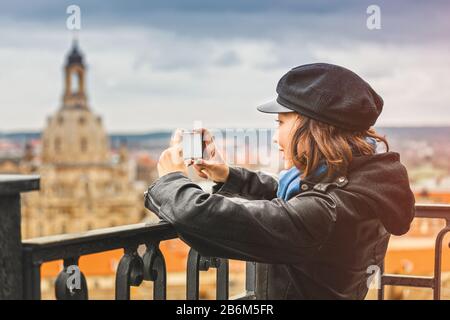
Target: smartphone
192,145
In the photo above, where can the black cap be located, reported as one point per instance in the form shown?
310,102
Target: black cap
327,93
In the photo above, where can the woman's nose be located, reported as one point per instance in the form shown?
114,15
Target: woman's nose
275,137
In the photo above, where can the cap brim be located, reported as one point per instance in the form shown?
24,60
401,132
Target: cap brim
273,107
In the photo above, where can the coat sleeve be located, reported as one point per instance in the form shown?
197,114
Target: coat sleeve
264,231
248,184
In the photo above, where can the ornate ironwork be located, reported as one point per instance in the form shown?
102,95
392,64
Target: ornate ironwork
71,283
197,263
155,270
130,272
20,272
429,211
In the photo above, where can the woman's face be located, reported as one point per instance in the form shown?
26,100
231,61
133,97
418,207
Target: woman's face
283,135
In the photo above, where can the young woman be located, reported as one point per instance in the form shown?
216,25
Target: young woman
319,231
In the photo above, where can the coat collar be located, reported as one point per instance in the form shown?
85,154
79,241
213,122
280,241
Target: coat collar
338,178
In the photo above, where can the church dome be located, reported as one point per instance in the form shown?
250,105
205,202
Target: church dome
75,136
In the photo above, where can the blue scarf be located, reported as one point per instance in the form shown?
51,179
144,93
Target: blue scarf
289,180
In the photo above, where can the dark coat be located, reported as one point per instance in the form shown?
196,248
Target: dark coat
320,244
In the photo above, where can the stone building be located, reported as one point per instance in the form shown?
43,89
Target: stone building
82,186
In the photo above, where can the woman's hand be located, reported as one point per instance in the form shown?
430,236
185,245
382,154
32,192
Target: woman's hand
213,166
171,159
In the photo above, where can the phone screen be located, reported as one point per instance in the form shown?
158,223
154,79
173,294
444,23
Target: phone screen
192,145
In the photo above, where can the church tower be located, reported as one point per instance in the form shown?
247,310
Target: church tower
82,188
74,91
74,134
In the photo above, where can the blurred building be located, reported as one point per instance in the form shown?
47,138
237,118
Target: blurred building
86,185
82,186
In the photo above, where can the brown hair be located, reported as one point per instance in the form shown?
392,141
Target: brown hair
314,141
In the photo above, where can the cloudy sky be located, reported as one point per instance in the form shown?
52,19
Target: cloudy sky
165,64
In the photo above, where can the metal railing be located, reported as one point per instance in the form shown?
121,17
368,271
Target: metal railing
132,269
20,261
428,211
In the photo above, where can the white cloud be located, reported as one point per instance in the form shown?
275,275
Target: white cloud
412,79
143,78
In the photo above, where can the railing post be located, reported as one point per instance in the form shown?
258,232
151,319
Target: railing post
155,270
130,272
31,276
250,278
193,275
65,289
250,283
438,260
380,291
197,263
222,278
11,266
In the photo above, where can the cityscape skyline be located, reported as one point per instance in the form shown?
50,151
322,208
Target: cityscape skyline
168,65
87,114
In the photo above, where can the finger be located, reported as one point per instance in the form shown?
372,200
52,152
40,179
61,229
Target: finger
210,163
178,150
198,162
209,151
206,135
176,154
200,172
204,164
198,167
208,138
163,155
206,174
176,137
